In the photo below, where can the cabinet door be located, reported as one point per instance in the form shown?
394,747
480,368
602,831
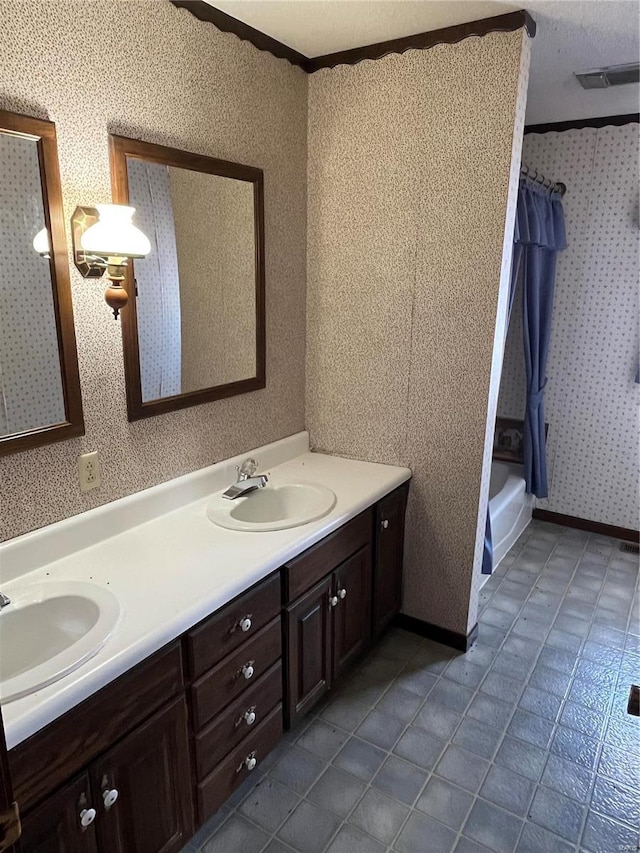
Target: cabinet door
352,613
9,817
308,628
56,825
389,549
143,787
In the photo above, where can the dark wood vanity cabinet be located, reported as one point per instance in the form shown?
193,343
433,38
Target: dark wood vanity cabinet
308,628
329,626
55,827
150,774
159,750
136,797
389,553
339,594
352,612
235,657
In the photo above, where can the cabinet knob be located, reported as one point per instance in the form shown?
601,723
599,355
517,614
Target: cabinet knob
109,797
248,670
249,763
333,600
384,523
250,716
343,593
87,817
245,624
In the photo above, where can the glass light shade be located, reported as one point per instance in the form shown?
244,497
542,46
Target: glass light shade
41,243
114,234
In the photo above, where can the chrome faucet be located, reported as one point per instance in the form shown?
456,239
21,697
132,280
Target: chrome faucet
247,480
4,600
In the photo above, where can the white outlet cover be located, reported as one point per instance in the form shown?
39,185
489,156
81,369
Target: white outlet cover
89,471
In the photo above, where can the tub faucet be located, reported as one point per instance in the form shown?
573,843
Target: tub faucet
4,600
247,480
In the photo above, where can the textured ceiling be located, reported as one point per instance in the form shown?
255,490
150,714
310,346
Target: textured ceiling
316,27
573,35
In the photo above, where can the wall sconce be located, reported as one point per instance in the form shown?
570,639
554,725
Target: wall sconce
104,238
41,243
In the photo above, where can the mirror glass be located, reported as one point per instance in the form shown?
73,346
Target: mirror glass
31,393
32,293
196,290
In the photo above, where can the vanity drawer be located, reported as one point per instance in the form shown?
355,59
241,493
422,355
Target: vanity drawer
230,726
221,783
301,573
222,684
219,635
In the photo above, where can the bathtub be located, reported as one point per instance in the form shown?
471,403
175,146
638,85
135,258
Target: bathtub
509,507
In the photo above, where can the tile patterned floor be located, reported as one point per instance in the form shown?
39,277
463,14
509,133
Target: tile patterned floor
522,744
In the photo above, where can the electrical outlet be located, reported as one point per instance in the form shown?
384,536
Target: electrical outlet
89,471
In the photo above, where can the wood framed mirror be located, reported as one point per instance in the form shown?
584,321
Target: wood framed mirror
40,400
194,326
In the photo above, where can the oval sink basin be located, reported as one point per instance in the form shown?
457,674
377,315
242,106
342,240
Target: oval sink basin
50,629
273,508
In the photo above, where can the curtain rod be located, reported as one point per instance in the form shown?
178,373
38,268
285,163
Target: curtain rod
534,175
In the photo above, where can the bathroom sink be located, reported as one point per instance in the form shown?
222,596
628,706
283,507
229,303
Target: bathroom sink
273,507
48,630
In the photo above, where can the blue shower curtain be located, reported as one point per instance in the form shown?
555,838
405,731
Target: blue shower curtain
540,231
539,234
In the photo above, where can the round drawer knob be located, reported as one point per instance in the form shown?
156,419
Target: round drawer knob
109,797
245,624
384,523
250,717
250,762
87,817
333,601
343,593
248,670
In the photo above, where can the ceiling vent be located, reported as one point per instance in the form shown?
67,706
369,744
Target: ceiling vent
615,75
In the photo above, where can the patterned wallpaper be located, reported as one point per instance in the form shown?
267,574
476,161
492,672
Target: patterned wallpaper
592,399
30,378
177,82
408,178
500,329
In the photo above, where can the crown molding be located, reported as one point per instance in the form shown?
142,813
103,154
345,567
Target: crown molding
419,41
228,24
579,123
423,41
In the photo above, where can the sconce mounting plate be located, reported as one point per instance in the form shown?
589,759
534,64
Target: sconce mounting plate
82,218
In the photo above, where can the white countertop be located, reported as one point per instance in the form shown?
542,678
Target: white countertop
168,565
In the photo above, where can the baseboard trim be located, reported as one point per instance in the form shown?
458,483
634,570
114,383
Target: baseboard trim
462,642
584,524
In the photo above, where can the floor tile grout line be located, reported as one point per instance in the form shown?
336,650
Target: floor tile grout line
593,771
431,773
389,753
607,715
450,742
444,677
537,784
564,698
